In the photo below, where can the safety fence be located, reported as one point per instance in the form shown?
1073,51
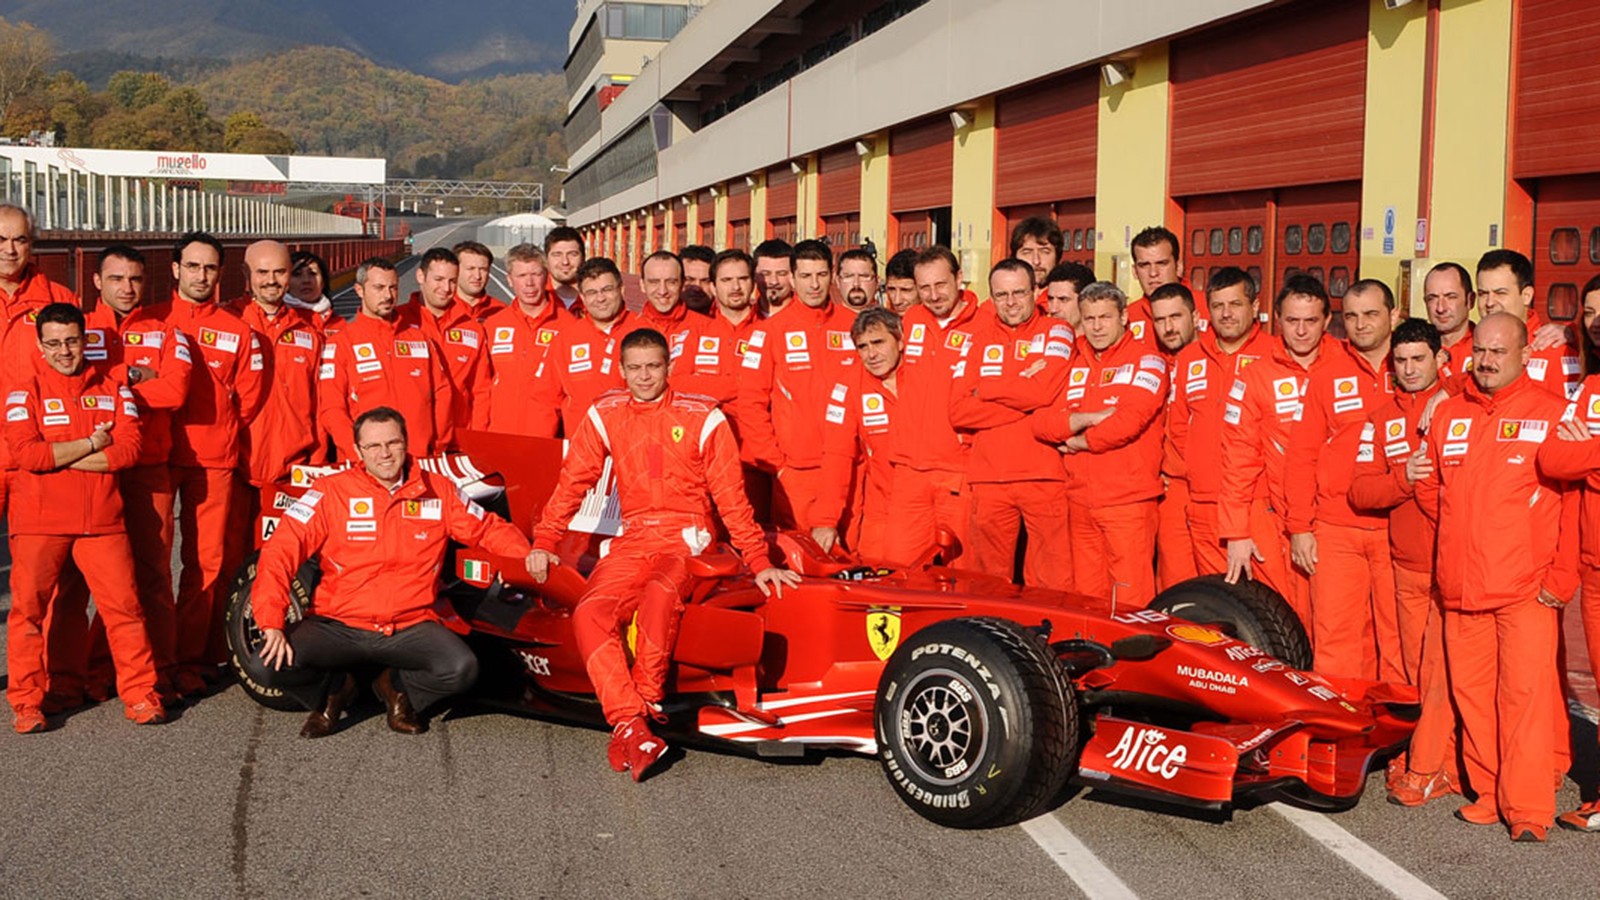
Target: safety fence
73,258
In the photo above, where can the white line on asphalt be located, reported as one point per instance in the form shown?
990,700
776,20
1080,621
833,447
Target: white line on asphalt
1078,861
1369,862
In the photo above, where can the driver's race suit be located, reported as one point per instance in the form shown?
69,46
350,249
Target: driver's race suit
670,456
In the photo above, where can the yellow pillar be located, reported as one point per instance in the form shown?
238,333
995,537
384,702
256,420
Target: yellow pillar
668,223
1131,163
758,211
720,241
806,212
692,218
1469,156
1397,62
972,192
874,204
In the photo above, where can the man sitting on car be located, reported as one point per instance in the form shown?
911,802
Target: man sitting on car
382,529
673,455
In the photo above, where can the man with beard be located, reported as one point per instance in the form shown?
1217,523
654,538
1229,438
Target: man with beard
1172,312
563,252
774,275
858,279
1354,619
697,259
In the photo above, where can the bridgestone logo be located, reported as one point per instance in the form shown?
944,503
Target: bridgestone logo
958,800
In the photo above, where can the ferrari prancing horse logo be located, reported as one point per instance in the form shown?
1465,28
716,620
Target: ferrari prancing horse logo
883,631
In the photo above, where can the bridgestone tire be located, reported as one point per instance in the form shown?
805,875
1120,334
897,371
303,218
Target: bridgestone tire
244,639
977,726
1257,614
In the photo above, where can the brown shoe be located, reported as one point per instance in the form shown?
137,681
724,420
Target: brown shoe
322,722
400,716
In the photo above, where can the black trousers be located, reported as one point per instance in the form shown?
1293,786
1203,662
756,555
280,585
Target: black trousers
430,662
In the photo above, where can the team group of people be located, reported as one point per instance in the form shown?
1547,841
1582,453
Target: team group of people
1424,492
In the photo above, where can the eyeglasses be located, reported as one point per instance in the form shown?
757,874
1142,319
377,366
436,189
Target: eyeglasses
597,293
395,446
54,345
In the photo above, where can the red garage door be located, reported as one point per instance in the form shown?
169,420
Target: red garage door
680,231
921,163
1275,234
1045,146
1556,125
1566,243
782,201
1276,100
739,213
843,231
839,181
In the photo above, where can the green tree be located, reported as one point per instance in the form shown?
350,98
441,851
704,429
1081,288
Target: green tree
25,54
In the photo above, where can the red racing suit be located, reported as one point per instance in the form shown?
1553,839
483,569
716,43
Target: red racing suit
380,362
584,361
1500,641
227,389
672,457
381,549
1264,403
1011,372
1354,618
1203,376
60,513
462,341
1389,438
518,344
795,359
1112,486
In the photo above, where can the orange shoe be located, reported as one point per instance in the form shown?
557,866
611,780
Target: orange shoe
1479,813
1396,770
1528,833
28,720
1415,789
148,711
1584,818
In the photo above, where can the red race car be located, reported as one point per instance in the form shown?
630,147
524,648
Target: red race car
980,699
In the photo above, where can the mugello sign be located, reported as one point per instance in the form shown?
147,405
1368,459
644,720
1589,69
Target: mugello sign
190,165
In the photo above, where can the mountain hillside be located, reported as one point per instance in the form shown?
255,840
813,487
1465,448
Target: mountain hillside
446,40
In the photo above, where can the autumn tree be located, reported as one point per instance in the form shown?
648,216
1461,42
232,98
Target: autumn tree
244,132
25,54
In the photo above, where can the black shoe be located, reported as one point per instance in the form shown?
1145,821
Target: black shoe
322,722
397,706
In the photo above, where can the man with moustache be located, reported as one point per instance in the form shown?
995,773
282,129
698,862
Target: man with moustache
697,260
1173,321
774,275
858,280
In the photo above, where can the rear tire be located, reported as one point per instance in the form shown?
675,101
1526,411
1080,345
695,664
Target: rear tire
977,726
1255,613
264,685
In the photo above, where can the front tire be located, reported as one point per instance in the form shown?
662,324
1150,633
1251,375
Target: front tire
264,685
1255,613
977,726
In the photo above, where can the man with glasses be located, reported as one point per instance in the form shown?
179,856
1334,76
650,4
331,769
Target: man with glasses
582,361
70,428
381,529
858,279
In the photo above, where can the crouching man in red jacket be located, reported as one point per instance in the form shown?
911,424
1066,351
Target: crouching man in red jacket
382,529
70,427
673,455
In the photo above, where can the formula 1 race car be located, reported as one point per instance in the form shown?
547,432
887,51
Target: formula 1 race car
980,699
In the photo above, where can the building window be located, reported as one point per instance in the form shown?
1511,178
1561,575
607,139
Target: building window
644,21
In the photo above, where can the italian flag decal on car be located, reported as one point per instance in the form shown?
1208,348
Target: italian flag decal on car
475,570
